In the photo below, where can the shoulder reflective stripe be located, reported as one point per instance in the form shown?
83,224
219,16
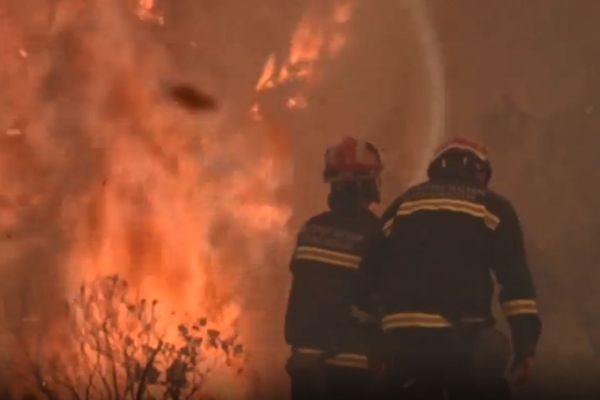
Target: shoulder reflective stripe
519,307
306,350
327,261
349,360
467,207
328,256
329,253
460,204
414,320
414,324
387,227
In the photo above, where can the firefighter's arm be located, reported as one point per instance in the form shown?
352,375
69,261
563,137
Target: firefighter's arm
368,276
389,217
291,315
374,257
517,295
371,264
371,269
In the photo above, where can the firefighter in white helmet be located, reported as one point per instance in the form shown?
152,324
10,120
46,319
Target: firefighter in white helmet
329,343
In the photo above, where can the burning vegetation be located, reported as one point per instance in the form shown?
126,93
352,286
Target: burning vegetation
114,347
144,194
116,174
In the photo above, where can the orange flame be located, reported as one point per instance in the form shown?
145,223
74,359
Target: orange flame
307,43
146,12
265,80
316,34
179,205
343,11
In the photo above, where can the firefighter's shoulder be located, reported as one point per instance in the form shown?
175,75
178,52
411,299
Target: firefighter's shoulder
360,221
316,219
348,233
389,215
318,227
323,219
391,211
501,208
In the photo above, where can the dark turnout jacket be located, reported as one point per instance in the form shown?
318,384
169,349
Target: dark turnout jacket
445,243
325,267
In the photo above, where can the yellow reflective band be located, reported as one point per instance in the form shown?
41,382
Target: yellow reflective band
519,307
414,320
349,360
467,207
328,257
387,227
306,350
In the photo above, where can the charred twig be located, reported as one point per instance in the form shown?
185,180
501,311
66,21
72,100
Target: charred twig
128,362
91,369
149,364
194,390
90,384
125,352
113,366
102,377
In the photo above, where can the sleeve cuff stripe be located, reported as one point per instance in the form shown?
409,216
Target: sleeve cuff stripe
524,311
519,307
519,303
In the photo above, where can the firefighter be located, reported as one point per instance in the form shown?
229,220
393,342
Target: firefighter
329,342
446,240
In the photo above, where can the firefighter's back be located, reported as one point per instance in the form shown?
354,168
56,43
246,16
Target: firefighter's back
328,344
325,267
446,241
440,252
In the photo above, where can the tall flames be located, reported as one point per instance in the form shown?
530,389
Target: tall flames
170,200
182,204
320,35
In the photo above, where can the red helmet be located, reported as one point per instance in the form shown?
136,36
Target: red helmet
352,160
461,158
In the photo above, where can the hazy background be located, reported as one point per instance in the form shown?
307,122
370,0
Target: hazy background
522,76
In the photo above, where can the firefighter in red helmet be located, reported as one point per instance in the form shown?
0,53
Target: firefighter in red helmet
446,240
329,343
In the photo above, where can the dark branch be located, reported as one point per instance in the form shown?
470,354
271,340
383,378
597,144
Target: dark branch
149,364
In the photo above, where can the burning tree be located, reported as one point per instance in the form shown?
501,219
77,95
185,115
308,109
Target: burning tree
118,348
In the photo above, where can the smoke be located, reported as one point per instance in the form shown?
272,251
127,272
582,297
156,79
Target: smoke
524,78
103,172
387,87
